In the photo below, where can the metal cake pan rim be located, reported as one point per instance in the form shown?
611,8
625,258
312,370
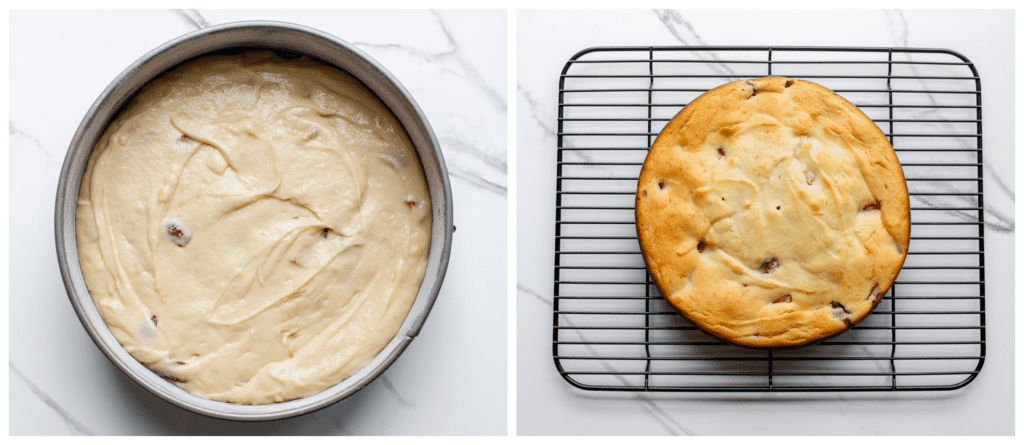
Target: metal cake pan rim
189,46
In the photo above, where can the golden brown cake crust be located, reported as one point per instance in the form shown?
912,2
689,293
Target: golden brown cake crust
772,212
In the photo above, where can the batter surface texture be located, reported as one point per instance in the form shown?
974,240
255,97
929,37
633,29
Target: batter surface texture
254,229
772,212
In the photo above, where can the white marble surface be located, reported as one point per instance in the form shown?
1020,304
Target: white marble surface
455,65
547,405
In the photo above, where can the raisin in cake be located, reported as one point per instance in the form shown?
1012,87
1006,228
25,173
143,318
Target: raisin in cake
772,212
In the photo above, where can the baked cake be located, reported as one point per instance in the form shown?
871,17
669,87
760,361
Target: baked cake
772,212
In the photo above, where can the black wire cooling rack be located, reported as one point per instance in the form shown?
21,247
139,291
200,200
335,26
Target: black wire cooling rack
612,328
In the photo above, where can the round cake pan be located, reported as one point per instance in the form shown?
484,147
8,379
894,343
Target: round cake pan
284,37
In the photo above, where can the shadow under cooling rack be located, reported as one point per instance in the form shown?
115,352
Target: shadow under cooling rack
614,331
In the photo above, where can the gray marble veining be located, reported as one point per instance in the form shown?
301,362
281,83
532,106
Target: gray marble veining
457,144
386,382
550,132
687,35
16,133
649,405
452,60
541,121
478,181
496,164
192,17
900,35
994,176
69,419
451,56
898,29
1003,224
522,288
663,417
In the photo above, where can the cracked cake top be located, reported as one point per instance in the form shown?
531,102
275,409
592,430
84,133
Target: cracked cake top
772,212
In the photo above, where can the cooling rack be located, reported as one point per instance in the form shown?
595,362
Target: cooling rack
612,328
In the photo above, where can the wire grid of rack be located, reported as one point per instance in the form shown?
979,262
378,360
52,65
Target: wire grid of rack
612,328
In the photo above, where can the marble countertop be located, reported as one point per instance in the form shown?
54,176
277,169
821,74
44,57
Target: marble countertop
454,63
547,405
